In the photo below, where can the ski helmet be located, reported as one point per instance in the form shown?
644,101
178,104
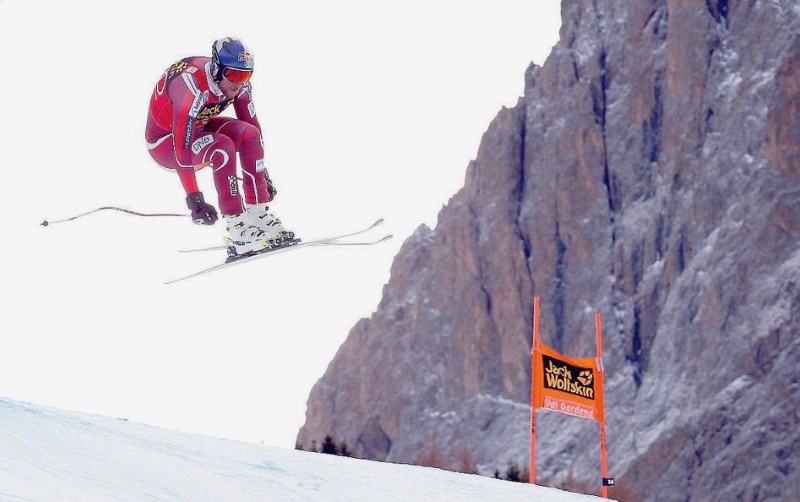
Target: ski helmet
230,54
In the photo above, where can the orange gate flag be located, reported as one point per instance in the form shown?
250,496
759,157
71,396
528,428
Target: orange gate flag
567,385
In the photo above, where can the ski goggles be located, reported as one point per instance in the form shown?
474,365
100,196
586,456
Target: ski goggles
236,76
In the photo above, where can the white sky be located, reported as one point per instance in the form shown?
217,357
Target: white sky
369,109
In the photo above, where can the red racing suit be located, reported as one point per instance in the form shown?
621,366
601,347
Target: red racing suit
184,133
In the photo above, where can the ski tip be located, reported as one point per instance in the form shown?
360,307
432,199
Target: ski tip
178,279
380,220
45,223
386,238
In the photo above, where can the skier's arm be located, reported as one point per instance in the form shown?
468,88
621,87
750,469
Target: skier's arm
244,107
187,100
246,112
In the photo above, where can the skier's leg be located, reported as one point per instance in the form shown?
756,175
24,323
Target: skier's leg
248,143
221,152
163,152
243,236
217,149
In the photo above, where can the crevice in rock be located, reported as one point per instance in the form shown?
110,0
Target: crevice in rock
572,58
709,121
682,252
600,106
659,235
634,356
480,278
487,300
559,307
520,195
651,129
719,10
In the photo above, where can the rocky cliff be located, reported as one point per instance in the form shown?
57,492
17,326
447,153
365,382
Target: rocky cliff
652,172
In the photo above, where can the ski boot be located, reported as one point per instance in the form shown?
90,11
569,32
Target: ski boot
244,238
261,218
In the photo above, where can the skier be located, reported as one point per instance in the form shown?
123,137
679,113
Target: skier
185,134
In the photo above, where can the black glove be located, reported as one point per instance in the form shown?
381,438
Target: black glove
202,213
271,190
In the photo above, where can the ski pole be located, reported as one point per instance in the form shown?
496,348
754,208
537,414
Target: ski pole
46,223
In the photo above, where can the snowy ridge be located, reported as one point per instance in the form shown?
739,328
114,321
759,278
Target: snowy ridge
53,455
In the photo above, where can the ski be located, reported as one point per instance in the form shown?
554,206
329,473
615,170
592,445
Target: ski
358,243
335,240
332,242
317,241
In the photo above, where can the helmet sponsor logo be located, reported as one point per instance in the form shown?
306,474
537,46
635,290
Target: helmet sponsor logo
564,377
245,57
201,142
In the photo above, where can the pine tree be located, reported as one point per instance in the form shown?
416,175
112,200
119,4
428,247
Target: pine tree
344,450
329,446
513,473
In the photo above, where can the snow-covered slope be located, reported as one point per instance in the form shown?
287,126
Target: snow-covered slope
53,455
